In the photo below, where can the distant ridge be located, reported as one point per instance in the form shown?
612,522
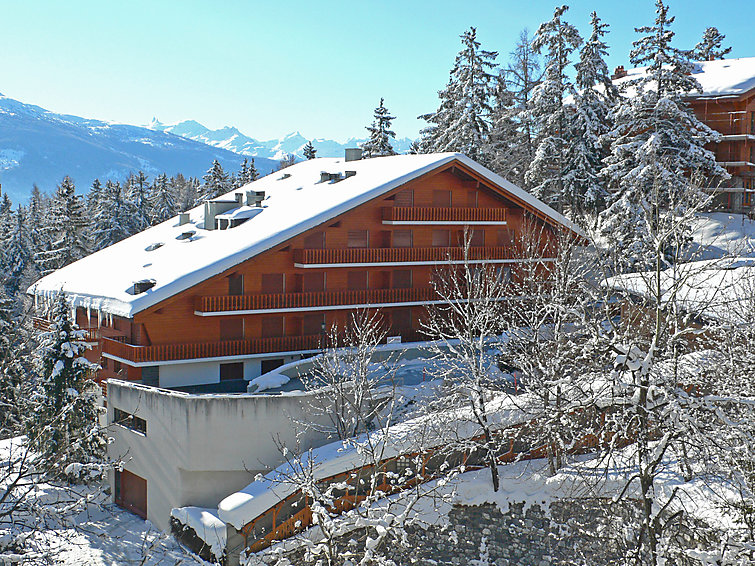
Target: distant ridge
231,139
40,147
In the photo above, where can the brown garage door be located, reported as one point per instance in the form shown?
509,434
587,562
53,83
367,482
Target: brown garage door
131,493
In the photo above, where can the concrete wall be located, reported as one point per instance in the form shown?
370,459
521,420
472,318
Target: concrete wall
199,373
200,448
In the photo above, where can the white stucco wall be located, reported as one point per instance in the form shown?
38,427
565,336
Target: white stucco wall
198,373
200,448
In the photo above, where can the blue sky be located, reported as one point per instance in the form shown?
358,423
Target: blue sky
270,68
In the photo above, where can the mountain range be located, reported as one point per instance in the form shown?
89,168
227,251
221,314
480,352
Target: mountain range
40,147
232,139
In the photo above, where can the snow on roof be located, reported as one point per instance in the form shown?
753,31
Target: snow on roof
408,437
206,525
177,257
718,289
723,77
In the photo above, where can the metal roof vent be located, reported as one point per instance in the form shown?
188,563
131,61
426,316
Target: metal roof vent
184,218
350,174
353,154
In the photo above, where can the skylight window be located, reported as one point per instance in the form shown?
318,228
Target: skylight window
141,286
186,235
153,247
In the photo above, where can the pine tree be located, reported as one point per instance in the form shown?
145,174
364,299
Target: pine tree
247,173
709,48
65,229
112,219
93,197
546,173
522,75
657,158
65,427
584,189
253,173
309,151
13,374
505,150
462,121
16,259
216,182
379,142
162,202
137,196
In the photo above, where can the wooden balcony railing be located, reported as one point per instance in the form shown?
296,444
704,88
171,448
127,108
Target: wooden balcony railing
398,255
445,215
282,301
93,333
167,352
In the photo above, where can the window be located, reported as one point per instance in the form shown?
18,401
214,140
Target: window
442,199
313,324
273,283
151,375
231,371
313,282
441,238
752,122
401,319
231,328
504,238
476,238
272,327
315,241
358,239
236,284
402,238
402,279
129,421
270,365
357,280
405,198
747,199
471,199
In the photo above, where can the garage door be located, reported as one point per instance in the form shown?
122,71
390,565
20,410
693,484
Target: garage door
131,492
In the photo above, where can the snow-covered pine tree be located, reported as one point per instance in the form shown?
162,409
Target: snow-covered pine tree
309,151
137,196
162,202
16,260
584,189
65,229
13,349
522,75
545,176
462,121
657,158
379,142
216,182
65,427
710,46
505,151
112,219
93,197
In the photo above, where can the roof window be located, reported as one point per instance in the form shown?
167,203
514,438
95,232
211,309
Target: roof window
186,235
142,286
153,247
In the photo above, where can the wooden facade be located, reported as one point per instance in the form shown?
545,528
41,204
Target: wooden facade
734,118
381,254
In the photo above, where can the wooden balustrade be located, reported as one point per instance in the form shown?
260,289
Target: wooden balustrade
93,333
283,301
445,215
398,255
167,352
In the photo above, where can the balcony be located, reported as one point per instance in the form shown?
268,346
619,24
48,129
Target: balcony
365,257
168,352
326,300
93,333
444,216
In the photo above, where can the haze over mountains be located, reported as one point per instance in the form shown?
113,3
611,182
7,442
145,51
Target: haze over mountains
232,139
40,147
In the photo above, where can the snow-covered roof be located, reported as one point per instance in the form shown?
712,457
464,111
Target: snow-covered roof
177,257
723,77
718,289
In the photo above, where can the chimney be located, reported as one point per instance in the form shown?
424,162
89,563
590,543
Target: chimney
239,197
619,73
353,154
183,218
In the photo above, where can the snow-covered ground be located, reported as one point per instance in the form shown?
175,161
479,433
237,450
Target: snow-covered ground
78,527
719,234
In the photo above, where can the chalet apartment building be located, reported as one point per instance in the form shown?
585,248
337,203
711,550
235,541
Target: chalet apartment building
183,314
727,105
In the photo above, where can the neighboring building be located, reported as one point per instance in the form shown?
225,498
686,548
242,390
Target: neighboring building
214,297
727,105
